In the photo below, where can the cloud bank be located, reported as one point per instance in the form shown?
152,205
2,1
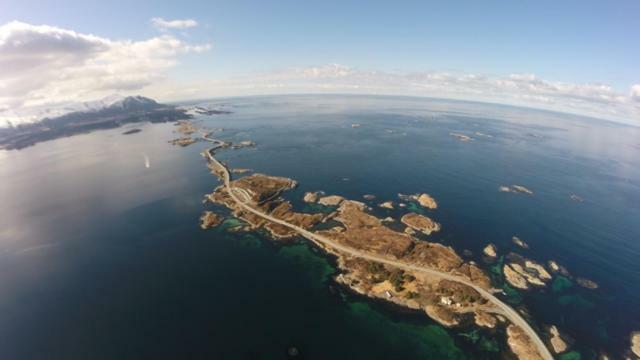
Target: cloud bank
528,90
44,66
45,70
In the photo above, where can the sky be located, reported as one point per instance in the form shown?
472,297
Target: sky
573,56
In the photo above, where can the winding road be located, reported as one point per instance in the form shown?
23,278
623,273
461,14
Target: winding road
500,307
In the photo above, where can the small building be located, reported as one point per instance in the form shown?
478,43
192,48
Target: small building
445,300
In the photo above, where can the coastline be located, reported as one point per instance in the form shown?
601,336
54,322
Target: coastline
338,250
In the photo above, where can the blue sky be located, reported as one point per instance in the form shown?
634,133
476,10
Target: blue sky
571,42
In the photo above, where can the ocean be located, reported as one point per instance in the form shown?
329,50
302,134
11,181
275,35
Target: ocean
102,257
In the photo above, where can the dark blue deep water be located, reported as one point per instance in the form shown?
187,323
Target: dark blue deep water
102,257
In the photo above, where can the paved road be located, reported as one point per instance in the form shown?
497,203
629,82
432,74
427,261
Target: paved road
501,307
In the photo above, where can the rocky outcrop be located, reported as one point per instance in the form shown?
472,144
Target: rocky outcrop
490,250
556,268
183,141
420,223
520,268
263,192
185,127
516,240
515,189
555,339
331,200
522,189
311,197
444,301
586,283
635,343
243,144
521,344
261,188
471,271
442,315
461,137
514,278
409,231
425,200
367,232
284,211
539,270
477,133
484,319
386,205
576,198
209,220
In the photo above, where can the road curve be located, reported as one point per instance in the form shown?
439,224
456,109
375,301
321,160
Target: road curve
501,307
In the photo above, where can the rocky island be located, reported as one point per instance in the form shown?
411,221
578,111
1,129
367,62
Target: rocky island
516,240
576,198
461,137
515,189
209,220
521,272
425,200
386,205
243,144
331,200
420,223
311,197
490,251
557,343
557,268
520,345
586,283
182,141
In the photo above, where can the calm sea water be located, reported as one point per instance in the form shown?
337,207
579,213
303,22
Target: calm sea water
102,257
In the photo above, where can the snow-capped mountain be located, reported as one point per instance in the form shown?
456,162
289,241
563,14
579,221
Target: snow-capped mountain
133,103
107,113
87,106
114,102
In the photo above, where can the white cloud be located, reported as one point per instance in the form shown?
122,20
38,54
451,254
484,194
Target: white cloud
595,100
163,24
44,66
635,92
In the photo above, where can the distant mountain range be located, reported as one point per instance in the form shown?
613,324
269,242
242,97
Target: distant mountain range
107,113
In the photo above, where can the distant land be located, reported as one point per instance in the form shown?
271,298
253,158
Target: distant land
131,109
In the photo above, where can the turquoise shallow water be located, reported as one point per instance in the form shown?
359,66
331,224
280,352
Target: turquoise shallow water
101,257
